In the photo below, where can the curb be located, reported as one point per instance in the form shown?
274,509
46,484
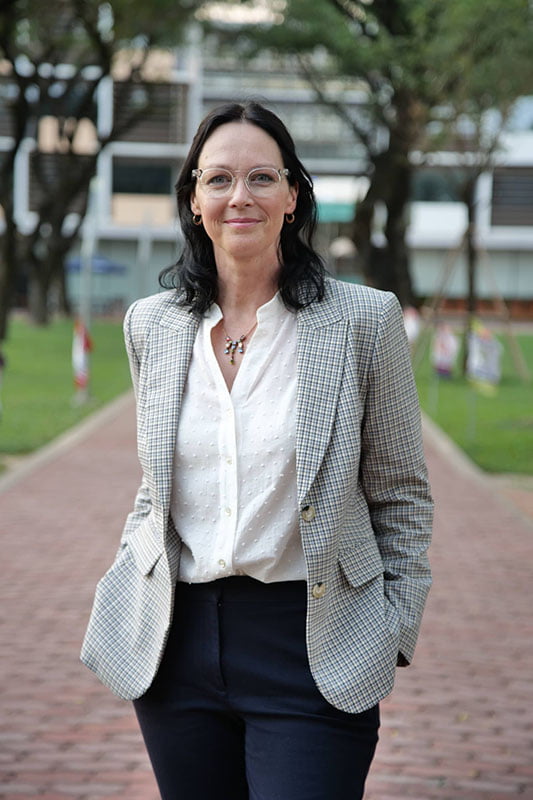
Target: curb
65,441
451,451
462,463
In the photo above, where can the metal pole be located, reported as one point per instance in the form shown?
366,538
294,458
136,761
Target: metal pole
144,254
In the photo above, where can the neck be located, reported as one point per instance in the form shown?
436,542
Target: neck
241,293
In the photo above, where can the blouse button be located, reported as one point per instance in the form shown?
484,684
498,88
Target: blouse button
308,513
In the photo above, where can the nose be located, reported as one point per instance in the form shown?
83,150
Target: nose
239,192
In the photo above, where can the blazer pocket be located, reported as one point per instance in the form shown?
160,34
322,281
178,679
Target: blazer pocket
145,546
361,564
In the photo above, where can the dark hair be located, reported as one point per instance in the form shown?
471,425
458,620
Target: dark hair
301,276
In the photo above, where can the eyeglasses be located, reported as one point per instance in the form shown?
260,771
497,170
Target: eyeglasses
260,181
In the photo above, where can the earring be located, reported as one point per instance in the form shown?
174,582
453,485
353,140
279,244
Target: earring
289,219
197,219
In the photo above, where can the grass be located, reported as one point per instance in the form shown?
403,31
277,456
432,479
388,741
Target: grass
495,431
37,390
37,395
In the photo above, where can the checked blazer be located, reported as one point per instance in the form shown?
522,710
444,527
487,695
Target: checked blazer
363,493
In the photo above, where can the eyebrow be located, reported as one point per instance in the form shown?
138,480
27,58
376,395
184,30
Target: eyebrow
230,169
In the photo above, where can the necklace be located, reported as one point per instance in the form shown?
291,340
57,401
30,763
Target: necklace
235,345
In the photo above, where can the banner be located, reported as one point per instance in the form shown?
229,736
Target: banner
445,349
81,347
483,366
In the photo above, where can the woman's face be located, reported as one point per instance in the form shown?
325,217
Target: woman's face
241,225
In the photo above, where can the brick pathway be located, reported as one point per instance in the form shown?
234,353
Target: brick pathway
459,725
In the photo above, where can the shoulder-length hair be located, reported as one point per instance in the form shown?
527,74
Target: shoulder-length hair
301,275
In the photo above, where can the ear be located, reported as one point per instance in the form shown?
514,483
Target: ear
292,199
195,208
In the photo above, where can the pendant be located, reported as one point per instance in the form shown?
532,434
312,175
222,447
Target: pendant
232,346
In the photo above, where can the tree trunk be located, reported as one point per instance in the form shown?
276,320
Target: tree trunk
65,307
5,299
385,264
38,298
7,275
396,232
362,231
46,271
59,246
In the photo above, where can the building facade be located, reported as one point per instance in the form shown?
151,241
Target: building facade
133,208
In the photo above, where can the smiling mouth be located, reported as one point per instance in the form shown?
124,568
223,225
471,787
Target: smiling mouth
241,221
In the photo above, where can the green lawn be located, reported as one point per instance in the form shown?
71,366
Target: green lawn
37,395
495,431
38,390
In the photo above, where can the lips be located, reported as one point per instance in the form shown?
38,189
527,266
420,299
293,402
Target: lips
241,222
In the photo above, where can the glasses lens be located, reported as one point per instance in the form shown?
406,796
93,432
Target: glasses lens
216,181
263,181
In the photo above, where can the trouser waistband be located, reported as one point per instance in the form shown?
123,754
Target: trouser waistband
243,589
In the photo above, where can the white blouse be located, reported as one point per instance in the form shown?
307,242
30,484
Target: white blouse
234,498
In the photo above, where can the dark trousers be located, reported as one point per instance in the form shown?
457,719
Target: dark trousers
234,713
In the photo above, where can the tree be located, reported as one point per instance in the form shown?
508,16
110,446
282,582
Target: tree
416,62
54,58
381,47
492,42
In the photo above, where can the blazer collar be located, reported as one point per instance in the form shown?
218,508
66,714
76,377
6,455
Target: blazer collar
316,315
320,314
177,316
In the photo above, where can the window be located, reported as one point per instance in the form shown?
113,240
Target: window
160,111
50,171
143,176
432,185
512,196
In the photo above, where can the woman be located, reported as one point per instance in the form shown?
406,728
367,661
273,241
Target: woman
273,571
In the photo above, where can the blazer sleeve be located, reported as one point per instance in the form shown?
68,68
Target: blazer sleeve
394,475
143,504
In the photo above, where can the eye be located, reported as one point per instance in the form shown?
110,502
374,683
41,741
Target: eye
217,178
263,177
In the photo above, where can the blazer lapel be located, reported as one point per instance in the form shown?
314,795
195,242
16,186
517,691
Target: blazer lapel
321,348
170,352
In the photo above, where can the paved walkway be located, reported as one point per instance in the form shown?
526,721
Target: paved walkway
459,725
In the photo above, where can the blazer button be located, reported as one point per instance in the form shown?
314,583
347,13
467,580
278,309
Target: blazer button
318,590
308,513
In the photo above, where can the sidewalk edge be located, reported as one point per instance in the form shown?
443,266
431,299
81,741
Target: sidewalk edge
459,459
451,451
65,441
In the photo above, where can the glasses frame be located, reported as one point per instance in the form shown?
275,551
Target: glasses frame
197,174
